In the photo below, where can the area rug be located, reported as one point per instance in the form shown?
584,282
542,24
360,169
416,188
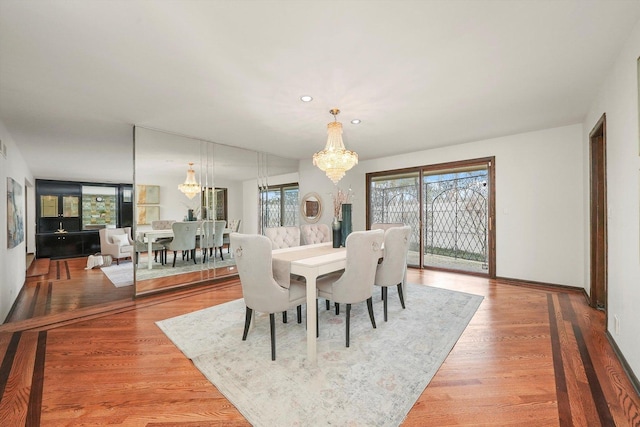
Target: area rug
120,274
374,382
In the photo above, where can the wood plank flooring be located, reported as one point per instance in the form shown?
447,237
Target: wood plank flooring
530,356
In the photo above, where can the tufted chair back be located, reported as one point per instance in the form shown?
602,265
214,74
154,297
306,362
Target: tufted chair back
315,233
283,237
184,235
385,225
162,224
219,227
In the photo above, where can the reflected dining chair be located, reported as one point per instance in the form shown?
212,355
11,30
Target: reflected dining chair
218,236
386,225
260,289
184,238
391,271
234,227
206,239
356,283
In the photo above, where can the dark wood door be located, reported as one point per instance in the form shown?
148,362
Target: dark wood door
598,220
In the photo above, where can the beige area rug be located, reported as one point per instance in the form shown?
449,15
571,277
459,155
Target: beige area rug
120,274
375,382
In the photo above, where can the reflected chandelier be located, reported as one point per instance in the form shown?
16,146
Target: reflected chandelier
190,187
335,159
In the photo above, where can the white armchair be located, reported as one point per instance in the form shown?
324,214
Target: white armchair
116,242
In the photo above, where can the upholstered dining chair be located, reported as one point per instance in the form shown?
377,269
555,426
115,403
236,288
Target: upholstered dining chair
116,242
355,284
205,239
315,233
184,238
218,238
234,227
260,289
391,271
385,225
141,246
283,237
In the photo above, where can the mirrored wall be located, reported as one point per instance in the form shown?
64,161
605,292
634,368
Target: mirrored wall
191,193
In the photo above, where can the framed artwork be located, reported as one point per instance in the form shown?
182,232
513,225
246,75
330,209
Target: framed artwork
146,214
15,214
147,194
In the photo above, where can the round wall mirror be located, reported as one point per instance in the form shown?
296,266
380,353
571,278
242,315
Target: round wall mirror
311,207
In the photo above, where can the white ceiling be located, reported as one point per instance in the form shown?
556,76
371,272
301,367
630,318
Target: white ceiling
76,75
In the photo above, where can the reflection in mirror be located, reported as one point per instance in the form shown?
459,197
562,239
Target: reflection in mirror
227,179
49,206
311,207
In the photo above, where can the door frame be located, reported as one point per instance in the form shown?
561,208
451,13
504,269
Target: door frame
598,214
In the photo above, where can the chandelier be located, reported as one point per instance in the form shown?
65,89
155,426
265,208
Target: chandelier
190,187
335,159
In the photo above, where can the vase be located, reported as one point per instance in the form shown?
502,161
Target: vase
336,226
346,222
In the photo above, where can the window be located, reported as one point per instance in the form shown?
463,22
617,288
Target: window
279,205
449,208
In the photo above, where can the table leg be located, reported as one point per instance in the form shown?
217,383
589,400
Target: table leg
311,320
149,248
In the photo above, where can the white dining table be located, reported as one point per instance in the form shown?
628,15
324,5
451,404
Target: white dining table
150,236
333,259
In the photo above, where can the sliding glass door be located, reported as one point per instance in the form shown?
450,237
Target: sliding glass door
449,208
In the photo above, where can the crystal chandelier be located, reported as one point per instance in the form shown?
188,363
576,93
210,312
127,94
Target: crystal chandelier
190,187
335,159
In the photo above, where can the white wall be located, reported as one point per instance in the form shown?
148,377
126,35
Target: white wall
13,261
539,199
618,98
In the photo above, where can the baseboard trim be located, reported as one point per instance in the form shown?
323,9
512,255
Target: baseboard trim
539,285
627,369
15,302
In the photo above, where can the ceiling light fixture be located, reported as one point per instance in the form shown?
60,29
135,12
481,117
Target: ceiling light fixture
335,159
306,98
356,121
190,187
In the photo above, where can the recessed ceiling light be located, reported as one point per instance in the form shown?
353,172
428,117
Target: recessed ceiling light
306,98
355,121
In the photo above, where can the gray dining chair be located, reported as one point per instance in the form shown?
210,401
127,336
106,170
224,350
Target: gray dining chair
218,236
205,241
391,271
355,284
234,227
184,238
260,290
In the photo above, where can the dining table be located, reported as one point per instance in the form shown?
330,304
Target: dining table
309,261
150,236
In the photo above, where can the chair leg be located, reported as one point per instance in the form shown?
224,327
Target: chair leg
381,292
370,307
400,295
348,321
384,301
317,324
193,255
272,323
328,304
221,257
299,313
247,322
284,317
337,304
174,259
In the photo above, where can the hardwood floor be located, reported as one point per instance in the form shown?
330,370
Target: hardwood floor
531,355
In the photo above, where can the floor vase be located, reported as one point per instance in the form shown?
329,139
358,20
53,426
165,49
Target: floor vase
346,222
